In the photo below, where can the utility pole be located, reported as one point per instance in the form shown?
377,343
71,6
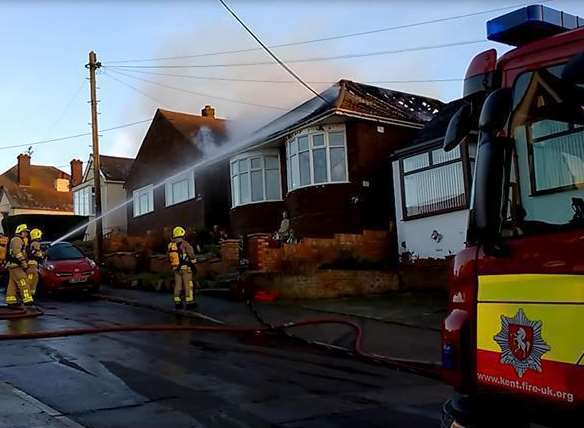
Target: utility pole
92,66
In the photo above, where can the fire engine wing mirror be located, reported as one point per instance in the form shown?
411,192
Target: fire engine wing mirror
459,127
574,70
487,204
496,110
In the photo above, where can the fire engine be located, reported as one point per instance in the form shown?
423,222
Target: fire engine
513,338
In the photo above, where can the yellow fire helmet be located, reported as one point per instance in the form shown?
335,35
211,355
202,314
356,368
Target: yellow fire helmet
21,228
178,232
36,234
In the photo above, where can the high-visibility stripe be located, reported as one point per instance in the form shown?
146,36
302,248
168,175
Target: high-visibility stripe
561,327
531,288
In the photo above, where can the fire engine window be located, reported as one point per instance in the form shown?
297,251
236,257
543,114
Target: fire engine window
549,153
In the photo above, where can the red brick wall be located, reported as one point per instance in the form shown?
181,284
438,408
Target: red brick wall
266,256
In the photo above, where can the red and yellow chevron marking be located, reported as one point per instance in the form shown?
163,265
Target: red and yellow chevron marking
555,300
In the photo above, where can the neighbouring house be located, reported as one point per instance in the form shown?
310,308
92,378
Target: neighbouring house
432,191
113,172
325,163
27,189
165,188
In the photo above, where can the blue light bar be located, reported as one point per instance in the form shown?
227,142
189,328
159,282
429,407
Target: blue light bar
530,23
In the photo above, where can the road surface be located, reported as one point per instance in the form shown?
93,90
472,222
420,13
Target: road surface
193,379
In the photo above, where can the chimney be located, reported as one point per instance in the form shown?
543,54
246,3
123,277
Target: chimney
208,111
76,172
23,169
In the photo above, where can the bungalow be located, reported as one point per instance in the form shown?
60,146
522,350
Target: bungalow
34,189
114,172
165,188
432,191
325,162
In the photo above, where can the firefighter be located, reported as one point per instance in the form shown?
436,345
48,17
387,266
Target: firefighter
182,261
35,258
17,266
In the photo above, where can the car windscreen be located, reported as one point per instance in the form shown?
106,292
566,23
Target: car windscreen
64,252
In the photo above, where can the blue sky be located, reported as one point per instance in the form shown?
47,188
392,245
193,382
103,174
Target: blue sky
43,83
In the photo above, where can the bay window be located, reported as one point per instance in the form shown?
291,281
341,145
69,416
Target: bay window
255,177
436,181
180,188
317,157
143,200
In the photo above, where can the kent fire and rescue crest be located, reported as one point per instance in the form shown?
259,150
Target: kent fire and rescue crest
521,343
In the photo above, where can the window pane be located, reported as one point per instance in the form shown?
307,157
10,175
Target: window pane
256,163
559,161
440,156
234,168
303,143
295,171
272,184
434,190
180,191
243,165
416,162
337,138
304,159
318,140
272,162
548,127
319,165
244,190
292,148
257,186
338,164
235,190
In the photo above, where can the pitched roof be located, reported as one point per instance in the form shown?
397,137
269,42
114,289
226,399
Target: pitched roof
200,135
187,124
356,99
41,194
115,168
437,127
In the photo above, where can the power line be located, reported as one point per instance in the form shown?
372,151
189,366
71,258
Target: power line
201,94
71,137
313,59
273,55
334,37
144,94
314,82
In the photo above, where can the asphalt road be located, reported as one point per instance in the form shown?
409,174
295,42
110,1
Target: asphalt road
200,379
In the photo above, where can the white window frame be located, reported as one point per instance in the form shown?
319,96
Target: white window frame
235,177
188,176
84,201
137,194
310,133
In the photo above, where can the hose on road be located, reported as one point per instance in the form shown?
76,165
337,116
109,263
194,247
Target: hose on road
422,368
7,313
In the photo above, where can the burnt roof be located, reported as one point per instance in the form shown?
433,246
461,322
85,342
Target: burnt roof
41,194
436,128
115,168
358,99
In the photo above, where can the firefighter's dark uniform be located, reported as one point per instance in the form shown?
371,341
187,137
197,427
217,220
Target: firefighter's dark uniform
182,261
17,266
35,258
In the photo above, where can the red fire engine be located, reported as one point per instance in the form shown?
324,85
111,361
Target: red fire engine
513,339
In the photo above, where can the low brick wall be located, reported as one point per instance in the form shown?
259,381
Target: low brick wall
230,251
425,276
324,284
307,256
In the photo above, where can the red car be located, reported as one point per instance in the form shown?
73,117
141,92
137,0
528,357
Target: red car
67,268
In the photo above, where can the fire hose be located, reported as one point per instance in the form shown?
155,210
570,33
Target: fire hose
7,313
418,367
